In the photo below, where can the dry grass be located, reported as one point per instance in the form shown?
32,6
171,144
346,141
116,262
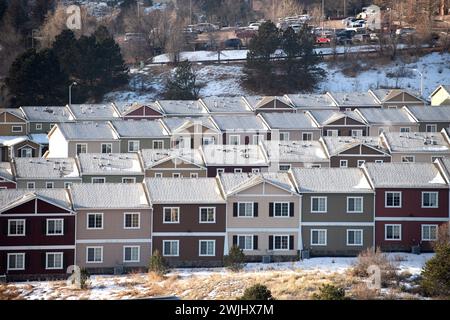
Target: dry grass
9,292
361,291
370,257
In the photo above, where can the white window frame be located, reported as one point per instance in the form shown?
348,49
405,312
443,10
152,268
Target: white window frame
403,158
171,255
95,248
194,175
52,125
200,215
24,227
200,248
357,132
239,209
362,205
437,200
158,175
176,175
429,226
38,126
281,204
67,184
355,244
359,163
393,225
98,178
274,241
54,234
138,254
332,133
257,138
28,152
237,170
49,183
14,126
245,236
47,254
386,199
289,166
318,230
433,128
125,220
29,184
107,145
319,211
379,161
132,179
134,142
159,142
208,140
256,170
164,215
220,170
341,162
234,136
405,129
15,254
96,214
308,134
284,136
81,145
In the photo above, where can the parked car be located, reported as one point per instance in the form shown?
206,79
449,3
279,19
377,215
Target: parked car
373,37
348,20
401,32
234,43
254,26
323,40
134,37
361,37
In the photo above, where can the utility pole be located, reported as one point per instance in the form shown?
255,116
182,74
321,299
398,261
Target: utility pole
345,8
70,92
190,12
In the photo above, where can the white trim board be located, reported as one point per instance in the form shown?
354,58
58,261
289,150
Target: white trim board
410,219
114,241
36,247
338,224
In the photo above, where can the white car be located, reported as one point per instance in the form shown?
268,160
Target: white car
254,26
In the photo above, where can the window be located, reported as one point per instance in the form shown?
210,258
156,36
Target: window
393,232
49,185
318,237
408,158
284,136
318,204
307,136
81,148
53,260
106,148
238,170
131,220
176,175
245,242
94,254
405,129
208,140
393,199
245,209
158,175
357,133
234,139
128,180
30,185
343,163
379,161
26,152
255,170
171,248
171,215
284,167
431,128
207,215
354,204
16,227
194,175
95,220
158,144
281,242
131,254
98,180
220,170
38,126
207,248
133,146
429,232
67,184
16,129
361,162
55,227
354,237
16,261
430,199
313,166
332,133
257,138
281,209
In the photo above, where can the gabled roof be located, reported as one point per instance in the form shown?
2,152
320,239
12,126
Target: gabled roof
11,198
178,124
6,171
404,175
15,112
415,142
153,157
101,131
337,145
225,105
385,116
110,164
236,182
196,190
9,141
295,151
93,112
181,107
288,121
441,87
325,117
353,99
41,168
311,101
47,113
109,196
126,107
428,113
139,129
331,180
234,155
239,123
267,102
385,95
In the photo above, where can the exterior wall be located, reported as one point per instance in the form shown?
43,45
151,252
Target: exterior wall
144,143
4,184
440,98
439,125
58,146
345,130
244,136
92,147
374,129
168,173
111,178
41,183
142,113
274,166
296,134
46,127
419,157
36,148
7,121
212,170
352,161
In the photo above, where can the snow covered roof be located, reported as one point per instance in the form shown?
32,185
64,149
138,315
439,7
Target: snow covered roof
92,112
234,155
416,142
324,117
5,171
232,182
8,141
181,107
109,196
58,197
13,111
336,145
385,116
41,168
331,180
311,101
87,131
295,151
288,120
428,113
404,175
139,129
256,102
225,105
179,123
354,99
110,164
239,123
127,107
47,113
40,138
170,190
384,95
151,157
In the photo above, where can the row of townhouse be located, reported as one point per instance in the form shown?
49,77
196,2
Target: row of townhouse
283,216
212,159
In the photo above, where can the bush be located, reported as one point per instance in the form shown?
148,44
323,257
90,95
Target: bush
84,277
235,259
375,257
158,264
257,292
330,292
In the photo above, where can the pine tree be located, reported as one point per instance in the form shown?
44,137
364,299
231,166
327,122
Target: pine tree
16,15
3,7
257,292
158,264
40,10
183,84
235,259
65,46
